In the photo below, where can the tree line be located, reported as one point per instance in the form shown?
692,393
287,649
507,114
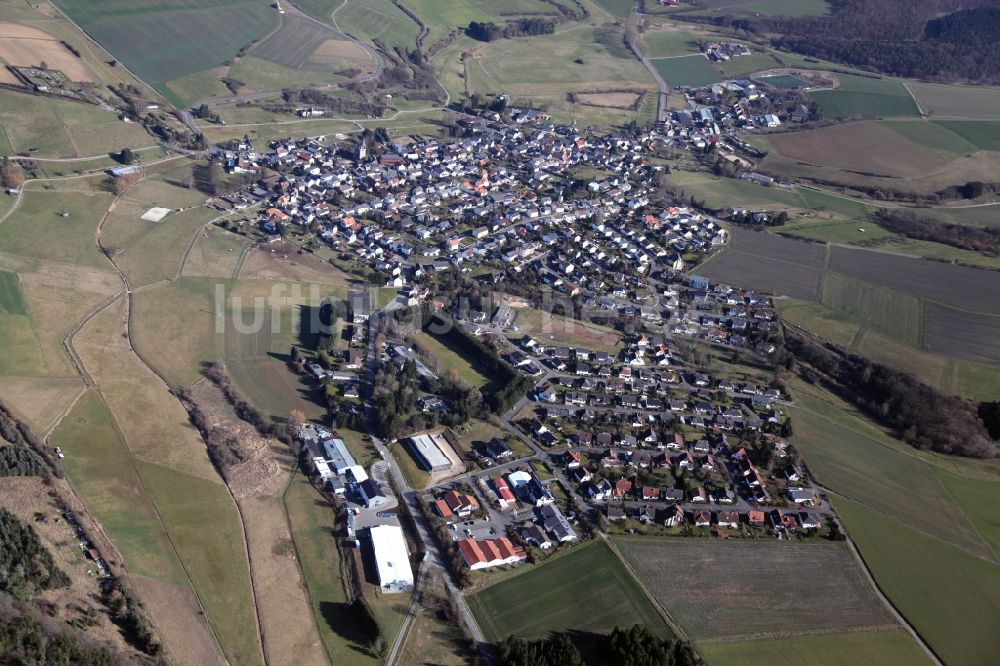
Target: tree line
634,646
924,416
526,27
923,227
23,439
26,566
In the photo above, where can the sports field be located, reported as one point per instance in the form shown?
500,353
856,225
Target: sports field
694,71
11,298
586,590
887,648
162,40
865,97
737,588
952,598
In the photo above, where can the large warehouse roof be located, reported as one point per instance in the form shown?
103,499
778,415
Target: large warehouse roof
391,558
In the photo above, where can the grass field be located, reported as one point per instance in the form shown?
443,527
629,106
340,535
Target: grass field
216,253
694,71
311,520
950,597
161,40
59,128
937,138
586,590
371,19
866,98
764,7
37,228
957,101
984,135
276,390
174,329
11,299
466,369
976,497
39,400
896,314
886,648
443,16
669,43
852,458
619,8
745,588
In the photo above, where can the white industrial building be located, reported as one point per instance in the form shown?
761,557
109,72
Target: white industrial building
392,560
429,450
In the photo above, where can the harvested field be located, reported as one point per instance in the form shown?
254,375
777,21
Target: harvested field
11,298
773,276
966,335
26,46
887,648
957,286
895,314
587,590
864,147
735,588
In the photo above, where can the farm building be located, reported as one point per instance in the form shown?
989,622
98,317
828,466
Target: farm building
392,560
490,553
429,450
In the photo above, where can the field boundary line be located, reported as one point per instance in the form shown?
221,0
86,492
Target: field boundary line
831,631
971,523
660,608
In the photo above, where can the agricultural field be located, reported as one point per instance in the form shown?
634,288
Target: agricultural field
27,46
39,230
59,128
984,135
936,138
174,329
717,192
951,597
443,16
961,287
887,648
547,68
865,97
374,20
744,588
969,335
867,147
100,468
39,401
163,41
856,460
975,496
896,314
587,590
694,71
451,359
957,101
216,253
11,298
670,42
275,389
619,8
